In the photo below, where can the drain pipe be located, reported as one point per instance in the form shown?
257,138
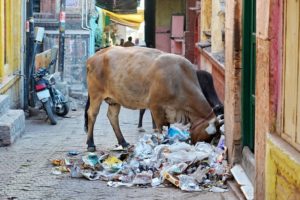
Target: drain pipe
86,18
61,49
82,5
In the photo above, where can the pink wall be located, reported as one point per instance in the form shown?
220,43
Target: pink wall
162,39
276,53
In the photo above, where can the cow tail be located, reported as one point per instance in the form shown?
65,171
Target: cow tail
86,117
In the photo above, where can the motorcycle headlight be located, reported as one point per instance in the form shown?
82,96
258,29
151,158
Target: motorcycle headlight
52,80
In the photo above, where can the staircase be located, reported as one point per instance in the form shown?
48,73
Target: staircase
12,122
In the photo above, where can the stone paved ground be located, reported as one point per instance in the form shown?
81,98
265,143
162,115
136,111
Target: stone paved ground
25,170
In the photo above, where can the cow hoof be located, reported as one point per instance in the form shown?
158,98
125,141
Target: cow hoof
140,129
155,130
125,144
91,149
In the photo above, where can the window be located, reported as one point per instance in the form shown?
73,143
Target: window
36,6
291,74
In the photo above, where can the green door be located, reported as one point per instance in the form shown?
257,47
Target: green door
248,73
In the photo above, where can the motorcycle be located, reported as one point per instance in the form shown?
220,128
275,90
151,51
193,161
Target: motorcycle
51,98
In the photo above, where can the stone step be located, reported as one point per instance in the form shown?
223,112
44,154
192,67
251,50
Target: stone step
12,126
243,180
4,104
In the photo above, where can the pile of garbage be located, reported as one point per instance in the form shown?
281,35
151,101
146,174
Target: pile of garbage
156,160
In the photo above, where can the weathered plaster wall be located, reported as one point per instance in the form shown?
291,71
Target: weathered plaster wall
205,18
269,150
165,9
233,79
217,26
11,50
282,170
276,52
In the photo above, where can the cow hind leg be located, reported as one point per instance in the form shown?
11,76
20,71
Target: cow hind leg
113,116
92,112
140,125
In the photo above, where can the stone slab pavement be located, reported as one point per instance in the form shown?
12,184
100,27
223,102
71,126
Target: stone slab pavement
25,169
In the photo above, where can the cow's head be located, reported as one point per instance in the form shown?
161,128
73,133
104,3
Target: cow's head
206,129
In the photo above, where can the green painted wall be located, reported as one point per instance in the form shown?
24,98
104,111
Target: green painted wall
165,9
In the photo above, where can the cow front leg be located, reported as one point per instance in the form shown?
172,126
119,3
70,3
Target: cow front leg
158,116
153,124
113,116
92,112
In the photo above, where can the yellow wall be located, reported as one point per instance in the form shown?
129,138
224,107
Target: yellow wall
165,9
1,39
206,11
11,48
10,34
282,170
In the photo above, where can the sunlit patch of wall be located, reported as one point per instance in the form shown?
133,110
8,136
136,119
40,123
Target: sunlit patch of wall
11,58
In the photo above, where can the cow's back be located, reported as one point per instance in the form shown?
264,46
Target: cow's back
136,77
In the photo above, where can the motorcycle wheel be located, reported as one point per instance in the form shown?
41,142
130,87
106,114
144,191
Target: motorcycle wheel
64,110
49,112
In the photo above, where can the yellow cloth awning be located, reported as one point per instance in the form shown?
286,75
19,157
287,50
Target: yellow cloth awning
131,20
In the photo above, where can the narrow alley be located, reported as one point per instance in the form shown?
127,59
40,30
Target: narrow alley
25,168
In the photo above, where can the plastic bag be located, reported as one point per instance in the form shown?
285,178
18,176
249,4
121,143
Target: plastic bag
177,168
200,174
144,148
112,164
174,133
143,178
188,183
118,184
90,159
177,146
92,176
156,182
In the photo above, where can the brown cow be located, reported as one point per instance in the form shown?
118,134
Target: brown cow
138,78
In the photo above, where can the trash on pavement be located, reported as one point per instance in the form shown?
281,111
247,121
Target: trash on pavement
92,176
112,164
156,160
171,178
76,172
57,162
73,153
155,182
91,159
177,132
59,170
188,183
143,178
118,184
